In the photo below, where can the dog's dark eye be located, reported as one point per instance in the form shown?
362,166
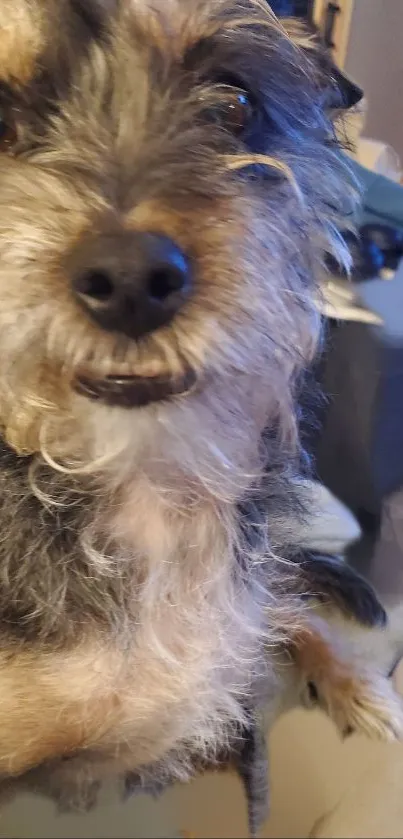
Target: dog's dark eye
233,110
8,132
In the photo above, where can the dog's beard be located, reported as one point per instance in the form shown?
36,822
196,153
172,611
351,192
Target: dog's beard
209,435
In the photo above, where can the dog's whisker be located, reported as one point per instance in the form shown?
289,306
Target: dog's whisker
241,161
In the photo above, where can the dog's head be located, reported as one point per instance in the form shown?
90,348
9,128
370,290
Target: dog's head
167,181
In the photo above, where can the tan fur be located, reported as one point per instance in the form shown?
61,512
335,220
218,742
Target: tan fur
53,705
57,704
21,39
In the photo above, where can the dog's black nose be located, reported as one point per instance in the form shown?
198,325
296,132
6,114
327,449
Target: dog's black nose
131,283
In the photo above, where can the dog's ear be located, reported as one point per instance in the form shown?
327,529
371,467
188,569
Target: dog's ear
346,90
338,92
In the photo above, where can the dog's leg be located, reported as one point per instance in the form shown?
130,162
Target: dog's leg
355,698
53,705
251,762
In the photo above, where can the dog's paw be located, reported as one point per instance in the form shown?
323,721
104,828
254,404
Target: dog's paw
355,699
367,705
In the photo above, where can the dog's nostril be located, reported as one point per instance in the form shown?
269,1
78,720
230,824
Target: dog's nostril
96,285
164,281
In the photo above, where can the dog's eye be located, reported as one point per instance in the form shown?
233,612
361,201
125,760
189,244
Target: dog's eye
8,132
233,110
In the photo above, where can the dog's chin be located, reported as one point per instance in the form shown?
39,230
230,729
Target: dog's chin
135,391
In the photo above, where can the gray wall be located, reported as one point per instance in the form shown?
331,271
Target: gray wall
375,60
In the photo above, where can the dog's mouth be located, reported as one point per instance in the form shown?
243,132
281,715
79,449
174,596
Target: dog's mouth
135,391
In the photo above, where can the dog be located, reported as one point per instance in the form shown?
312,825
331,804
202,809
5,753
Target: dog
169,184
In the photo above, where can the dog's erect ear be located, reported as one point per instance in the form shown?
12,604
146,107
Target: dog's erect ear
351,94
338,91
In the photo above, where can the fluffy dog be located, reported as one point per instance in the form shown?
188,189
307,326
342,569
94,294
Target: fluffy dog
169,182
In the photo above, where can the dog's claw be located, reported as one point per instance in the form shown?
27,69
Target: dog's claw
369,706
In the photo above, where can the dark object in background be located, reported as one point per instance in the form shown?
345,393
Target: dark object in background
360,448
292,8
373,248
389,240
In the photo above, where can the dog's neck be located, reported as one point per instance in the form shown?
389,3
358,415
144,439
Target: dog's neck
153,520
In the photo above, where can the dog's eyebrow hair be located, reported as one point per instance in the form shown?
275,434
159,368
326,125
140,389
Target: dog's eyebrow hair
199,52
210,58
14,95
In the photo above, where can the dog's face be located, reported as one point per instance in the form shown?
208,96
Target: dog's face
165,186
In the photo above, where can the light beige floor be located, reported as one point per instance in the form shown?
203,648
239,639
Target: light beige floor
311,769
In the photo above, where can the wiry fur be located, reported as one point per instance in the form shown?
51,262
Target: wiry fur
123,558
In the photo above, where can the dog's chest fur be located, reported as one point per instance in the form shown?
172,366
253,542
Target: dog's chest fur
139,633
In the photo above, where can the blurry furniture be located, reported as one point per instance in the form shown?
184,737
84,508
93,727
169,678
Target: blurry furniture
359,450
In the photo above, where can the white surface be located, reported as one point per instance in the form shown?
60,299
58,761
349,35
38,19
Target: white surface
380,158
